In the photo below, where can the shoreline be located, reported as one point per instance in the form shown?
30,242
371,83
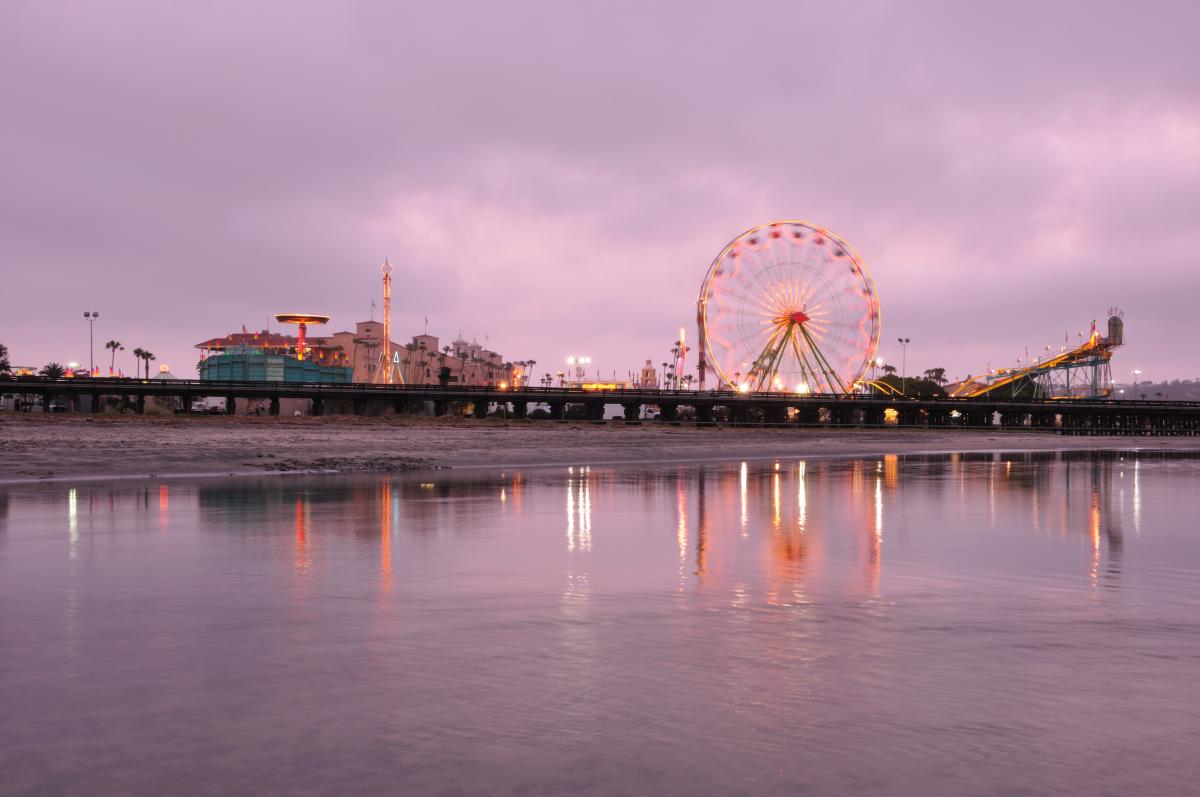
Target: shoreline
45,449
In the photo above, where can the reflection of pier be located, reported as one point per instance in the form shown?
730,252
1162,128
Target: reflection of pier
806,525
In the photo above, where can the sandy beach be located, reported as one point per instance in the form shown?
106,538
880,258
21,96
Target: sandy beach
39,447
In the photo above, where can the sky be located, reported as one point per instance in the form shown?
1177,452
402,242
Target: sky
555,178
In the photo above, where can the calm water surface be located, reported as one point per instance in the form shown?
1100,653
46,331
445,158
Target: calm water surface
1007,624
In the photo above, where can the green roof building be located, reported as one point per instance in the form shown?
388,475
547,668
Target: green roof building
254,365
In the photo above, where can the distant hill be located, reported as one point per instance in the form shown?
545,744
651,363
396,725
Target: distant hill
1175,390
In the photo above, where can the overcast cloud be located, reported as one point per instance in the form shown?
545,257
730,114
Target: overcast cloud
558,176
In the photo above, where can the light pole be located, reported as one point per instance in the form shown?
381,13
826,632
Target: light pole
578,364
904,363
91,319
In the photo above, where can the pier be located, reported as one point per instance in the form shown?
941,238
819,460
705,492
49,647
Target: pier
1100,416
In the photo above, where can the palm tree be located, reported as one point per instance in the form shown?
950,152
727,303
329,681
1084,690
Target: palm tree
148,357
4,365
139,354
114,346
53,371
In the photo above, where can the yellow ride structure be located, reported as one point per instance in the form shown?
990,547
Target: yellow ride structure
1081,372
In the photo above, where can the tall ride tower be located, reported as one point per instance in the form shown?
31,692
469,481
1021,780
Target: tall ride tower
384,375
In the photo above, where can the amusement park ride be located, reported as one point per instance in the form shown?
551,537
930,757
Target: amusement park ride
1081,372
790,307
302,320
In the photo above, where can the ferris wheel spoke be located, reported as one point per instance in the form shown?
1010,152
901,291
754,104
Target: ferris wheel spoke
754,302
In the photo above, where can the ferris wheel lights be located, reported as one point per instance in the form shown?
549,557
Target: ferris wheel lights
803,389
744,387
795,300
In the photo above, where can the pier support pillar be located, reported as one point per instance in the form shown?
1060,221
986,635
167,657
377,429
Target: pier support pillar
775,414
274,410
230,405
95,402
141,404
317,408
668,412
558,411
633,411
186,400
808,415
936,417
520,409
440,407
873,416
704,413
595,410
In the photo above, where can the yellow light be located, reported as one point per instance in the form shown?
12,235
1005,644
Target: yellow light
744,388
803,388
504,385
599,386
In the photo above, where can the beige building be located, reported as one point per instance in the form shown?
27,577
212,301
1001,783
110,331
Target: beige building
420,361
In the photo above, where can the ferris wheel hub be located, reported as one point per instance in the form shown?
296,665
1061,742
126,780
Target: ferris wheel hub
797,317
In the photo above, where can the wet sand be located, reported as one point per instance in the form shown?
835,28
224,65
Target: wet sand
38,447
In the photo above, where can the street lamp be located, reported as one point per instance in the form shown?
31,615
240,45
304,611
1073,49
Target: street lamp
91,319
904,363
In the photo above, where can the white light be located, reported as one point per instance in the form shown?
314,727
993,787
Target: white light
72,365
744,388
803,388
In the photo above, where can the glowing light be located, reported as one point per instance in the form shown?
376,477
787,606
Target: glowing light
579,511
744,387
801,494
504,385
681,512
744,473
803,389
72,524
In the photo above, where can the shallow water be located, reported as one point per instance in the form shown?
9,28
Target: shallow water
984,624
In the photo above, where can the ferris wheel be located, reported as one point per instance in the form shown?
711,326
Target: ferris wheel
789,306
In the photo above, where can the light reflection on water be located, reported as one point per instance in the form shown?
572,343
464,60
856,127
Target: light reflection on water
957,623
